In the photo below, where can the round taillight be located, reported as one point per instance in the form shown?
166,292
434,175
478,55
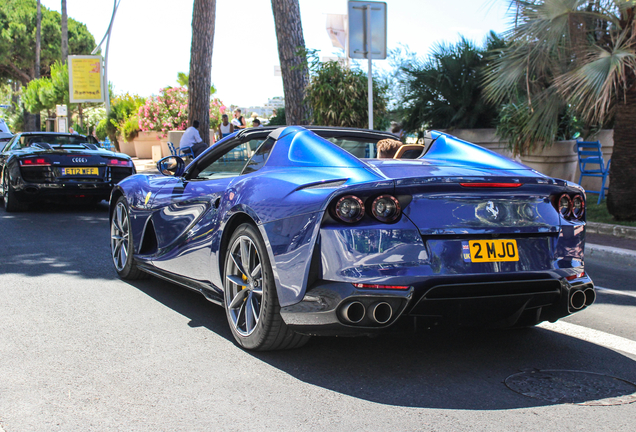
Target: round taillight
578,206
350,209
565,205
386,208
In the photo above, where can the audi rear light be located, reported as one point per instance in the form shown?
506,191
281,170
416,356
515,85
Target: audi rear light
120,162
565,205
35,161
578,206
386,208
349,209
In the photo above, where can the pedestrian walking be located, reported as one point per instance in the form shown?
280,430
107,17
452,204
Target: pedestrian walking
240,121
256,123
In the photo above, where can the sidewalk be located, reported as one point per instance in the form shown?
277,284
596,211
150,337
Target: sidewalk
145,166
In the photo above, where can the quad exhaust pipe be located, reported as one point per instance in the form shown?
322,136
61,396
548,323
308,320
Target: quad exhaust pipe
380,312
582,298
354,312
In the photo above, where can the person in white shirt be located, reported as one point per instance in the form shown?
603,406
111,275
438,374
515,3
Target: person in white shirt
226,127
192,139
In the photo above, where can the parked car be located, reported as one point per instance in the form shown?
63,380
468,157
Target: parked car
295,236
40,166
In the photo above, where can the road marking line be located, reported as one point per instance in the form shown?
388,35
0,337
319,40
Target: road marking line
596,337
611,291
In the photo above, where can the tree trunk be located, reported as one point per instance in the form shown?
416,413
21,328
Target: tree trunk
200,79
38,42
291,54
64,33
621,200
80,115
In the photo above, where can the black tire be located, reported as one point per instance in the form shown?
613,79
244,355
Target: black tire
11,203
247,262
121,243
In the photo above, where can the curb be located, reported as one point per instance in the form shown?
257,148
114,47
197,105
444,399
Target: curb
612,230
619,256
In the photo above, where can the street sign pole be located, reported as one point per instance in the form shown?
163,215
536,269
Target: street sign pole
107,35
370,72
366,33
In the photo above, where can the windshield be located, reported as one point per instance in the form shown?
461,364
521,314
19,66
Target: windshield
27,140
359,147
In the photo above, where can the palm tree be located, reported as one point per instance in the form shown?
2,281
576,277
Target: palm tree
200,76
293,64
578,55
445,91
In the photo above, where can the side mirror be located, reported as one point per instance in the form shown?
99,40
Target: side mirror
171,166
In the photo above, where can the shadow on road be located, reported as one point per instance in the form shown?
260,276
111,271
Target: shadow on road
448,369
56,239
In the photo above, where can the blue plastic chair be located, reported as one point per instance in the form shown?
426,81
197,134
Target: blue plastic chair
174,151
590,153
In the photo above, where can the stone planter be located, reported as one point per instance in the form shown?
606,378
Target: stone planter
127,147
144,143
486,138
558,160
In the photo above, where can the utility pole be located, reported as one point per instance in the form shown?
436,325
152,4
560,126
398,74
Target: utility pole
64,33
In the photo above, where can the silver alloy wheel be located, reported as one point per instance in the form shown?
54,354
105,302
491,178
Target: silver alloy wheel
244,285
119,236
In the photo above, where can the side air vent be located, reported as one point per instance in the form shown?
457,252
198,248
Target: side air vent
149,242
323,185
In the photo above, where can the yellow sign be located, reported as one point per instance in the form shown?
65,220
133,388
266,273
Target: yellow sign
85,77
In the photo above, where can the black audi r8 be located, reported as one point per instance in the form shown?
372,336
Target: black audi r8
51,166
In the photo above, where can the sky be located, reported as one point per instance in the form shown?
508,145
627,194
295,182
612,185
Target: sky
150,41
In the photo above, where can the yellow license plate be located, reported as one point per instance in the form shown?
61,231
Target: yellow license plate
493,250
80,171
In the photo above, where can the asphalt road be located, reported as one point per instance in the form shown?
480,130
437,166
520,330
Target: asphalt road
81,350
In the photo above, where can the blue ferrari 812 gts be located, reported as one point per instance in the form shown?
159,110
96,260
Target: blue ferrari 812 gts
332,231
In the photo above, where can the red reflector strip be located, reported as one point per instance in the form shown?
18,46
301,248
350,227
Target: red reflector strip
491,185
375,286
575,276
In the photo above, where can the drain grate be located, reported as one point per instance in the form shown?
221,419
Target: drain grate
575,387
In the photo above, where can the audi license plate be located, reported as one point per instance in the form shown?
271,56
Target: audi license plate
490,250
93,171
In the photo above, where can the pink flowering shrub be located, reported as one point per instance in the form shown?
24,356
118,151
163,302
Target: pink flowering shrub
169,111
166,112
217,109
